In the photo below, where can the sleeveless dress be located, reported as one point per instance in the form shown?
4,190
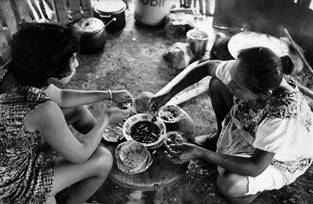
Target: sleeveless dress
26,167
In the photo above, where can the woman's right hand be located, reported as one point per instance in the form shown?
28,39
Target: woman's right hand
156,102
117,115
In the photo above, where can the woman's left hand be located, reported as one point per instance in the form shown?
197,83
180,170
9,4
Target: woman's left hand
181,153
122,97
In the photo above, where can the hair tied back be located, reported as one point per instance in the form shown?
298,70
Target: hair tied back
287,64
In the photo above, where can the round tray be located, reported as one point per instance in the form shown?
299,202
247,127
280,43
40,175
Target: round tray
247,39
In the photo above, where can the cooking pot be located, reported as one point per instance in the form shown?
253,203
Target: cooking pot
107,10
91,34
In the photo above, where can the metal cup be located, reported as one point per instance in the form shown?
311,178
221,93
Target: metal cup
198,41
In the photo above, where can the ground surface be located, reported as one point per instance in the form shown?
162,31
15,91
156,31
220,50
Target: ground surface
132,60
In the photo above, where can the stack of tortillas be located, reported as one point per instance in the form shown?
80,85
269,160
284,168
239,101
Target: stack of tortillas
132,157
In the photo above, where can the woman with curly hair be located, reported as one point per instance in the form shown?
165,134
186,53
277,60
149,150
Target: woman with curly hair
39,154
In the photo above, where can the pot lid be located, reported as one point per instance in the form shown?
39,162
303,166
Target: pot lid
89,25
109,6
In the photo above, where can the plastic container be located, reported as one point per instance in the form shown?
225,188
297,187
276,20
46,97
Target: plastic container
152,12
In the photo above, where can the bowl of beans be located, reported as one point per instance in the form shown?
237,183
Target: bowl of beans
146,129
170,113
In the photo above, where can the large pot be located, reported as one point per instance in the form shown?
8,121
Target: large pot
91,34
109,10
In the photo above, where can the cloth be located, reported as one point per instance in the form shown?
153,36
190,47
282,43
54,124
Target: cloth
284,126
26,169
222,72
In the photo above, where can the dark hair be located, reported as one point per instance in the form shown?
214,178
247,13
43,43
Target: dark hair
40,51
264,68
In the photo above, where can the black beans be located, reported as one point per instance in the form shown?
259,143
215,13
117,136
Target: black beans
145,132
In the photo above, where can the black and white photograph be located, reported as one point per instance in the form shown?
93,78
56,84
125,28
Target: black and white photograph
156,101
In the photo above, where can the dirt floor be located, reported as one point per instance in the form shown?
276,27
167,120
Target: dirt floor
132,60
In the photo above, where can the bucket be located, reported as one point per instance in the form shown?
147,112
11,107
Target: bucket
152,12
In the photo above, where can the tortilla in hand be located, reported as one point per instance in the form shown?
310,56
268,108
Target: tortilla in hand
174,137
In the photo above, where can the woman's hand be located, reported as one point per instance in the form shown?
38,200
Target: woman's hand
181,153
122,97
142,101
156,102
117,115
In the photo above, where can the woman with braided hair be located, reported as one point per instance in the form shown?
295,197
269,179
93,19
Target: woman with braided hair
265,126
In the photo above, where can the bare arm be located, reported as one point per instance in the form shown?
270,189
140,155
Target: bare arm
191,75
67,98
252,166
49,120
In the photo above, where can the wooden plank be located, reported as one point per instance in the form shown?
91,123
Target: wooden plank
61,10
194,3
8,17
51,5
29,10
15,12
24,11
87,8
75,9
4,48
207,7
201,7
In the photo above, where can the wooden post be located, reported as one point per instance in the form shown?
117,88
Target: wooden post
8,18
23,11
194,3
87,8
201,7
15,11
75,9
61,10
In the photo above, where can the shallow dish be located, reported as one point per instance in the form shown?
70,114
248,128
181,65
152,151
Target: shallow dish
132,157
113,134
145,129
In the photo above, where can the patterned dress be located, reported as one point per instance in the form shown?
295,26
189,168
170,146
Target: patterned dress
283,126
26,167
242,127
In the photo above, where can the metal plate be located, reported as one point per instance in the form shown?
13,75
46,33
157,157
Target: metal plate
246,40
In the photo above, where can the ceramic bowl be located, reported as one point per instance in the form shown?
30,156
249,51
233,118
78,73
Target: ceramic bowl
144,121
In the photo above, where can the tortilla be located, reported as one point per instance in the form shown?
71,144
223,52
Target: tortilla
113,134
174,137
